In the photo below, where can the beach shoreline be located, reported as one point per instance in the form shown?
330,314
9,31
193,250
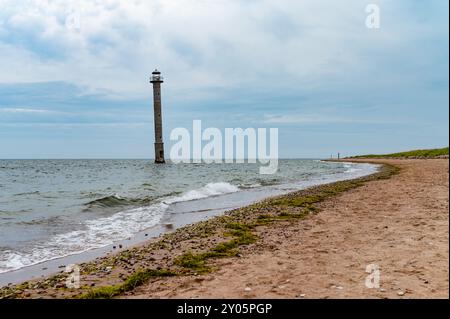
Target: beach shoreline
177,215
190,254
397,226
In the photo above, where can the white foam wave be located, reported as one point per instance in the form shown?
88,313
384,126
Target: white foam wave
105,231
254,185
211,189
352,168
94,234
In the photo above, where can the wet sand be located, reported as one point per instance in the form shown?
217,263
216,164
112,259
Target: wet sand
400,224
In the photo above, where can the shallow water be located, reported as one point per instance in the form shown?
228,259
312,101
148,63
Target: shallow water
55,208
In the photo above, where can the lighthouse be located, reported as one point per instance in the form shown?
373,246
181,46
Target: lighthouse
157,79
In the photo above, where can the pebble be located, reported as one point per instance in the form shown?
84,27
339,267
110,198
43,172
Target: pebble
248,289
302,295
401,293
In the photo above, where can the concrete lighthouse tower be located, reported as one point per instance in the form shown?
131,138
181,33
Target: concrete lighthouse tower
157,79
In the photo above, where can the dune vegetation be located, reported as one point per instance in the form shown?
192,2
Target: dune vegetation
428,153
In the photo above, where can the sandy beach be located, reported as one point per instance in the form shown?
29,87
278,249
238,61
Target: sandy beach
400,224
314,243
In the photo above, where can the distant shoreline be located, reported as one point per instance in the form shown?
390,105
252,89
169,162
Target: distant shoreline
435,153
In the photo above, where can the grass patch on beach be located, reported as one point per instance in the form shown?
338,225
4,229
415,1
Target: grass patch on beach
298,201
197,262
137,279
103,292
265,219
307,201
287,216
141,277
415,153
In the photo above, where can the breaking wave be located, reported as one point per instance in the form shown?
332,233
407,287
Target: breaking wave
104,231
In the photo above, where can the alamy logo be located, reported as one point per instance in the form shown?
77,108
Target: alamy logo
373,18
228,148
73,19
373,279
73,279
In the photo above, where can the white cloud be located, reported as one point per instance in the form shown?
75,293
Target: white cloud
78,125
24,110
320,118
199,44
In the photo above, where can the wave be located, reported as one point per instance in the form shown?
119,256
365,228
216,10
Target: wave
350,168
27,193
104,231
211,189
250,186
42,221
270,182
116,200
94,234
260,183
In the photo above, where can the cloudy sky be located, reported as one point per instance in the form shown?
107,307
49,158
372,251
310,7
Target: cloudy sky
74,74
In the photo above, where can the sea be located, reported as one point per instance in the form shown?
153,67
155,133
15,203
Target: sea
55,208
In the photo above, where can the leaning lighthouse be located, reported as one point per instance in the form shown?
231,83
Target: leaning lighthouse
157,79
